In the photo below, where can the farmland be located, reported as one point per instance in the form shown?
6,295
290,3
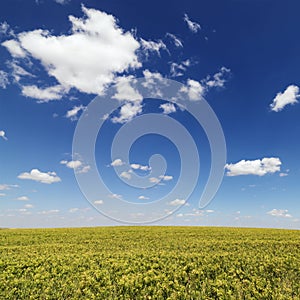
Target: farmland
149,263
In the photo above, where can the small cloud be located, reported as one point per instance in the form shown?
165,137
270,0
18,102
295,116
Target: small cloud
279,213
289,96
98,202
283,174
23,198
4,187
166,177
193,26
28,206
2,135
3,79
72,114
151,46
117,163
154,180
175,39
2,195
258,167
125,175
49,212
177,202
217,80
143,198
194,89
178,69
73,210
127,112
140,167
168,108
37,175
115,196
76,165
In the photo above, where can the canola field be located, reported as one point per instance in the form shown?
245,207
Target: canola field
149,263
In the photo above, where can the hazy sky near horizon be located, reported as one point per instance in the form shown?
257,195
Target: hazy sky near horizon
56,56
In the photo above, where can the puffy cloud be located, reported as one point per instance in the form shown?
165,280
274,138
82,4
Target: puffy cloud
4,187
175,39
5,29
125,92
177,202
166,177
283,174
143,197
76,165
14,48
49,212
127,112
115,196
140,167
177,69
258,167
23,198
44,94
151,46
154,180
193,26
62,1
279,213
36,175
117,163
193,89
125,175
3,79
73,210
72,113
87,59
2,135
28,206
218,79
289,96
17,71
168,108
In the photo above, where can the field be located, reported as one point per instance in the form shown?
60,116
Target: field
149,263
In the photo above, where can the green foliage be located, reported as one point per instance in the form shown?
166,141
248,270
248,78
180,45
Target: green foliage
150,263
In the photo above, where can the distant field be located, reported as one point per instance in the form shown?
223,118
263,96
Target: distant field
150,263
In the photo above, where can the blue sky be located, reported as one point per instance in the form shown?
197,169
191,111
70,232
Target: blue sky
58,57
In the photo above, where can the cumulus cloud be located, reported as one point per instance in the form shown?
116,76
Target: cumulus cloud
23,198
73,113
87,59
14,48
151,46
127,112
143,197
258,167
44,94
177,202
76,165
37,175
175,39
140,167
289,96
177,69
17,72
126,175
117,163
218,79
3,79
283,213
193,26
125,91
168,108
2,135
166,177
194,89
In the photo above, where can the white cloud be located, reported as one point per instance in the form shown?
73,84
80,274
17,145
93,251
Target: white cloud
125,91
193,89
3,79
140,167
117,163
72,113
87,59
279,213
73,210
193,26
166,177
143,198
23,198
258,167
154,180
127,112
2,135
168,108
177,69
17,71
151,46
72,164
177,202
218,79
43,94
125,175
14,48
176,40
289,96
2,194
62,1
115,196
98,202
36,175
5,29
84,169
